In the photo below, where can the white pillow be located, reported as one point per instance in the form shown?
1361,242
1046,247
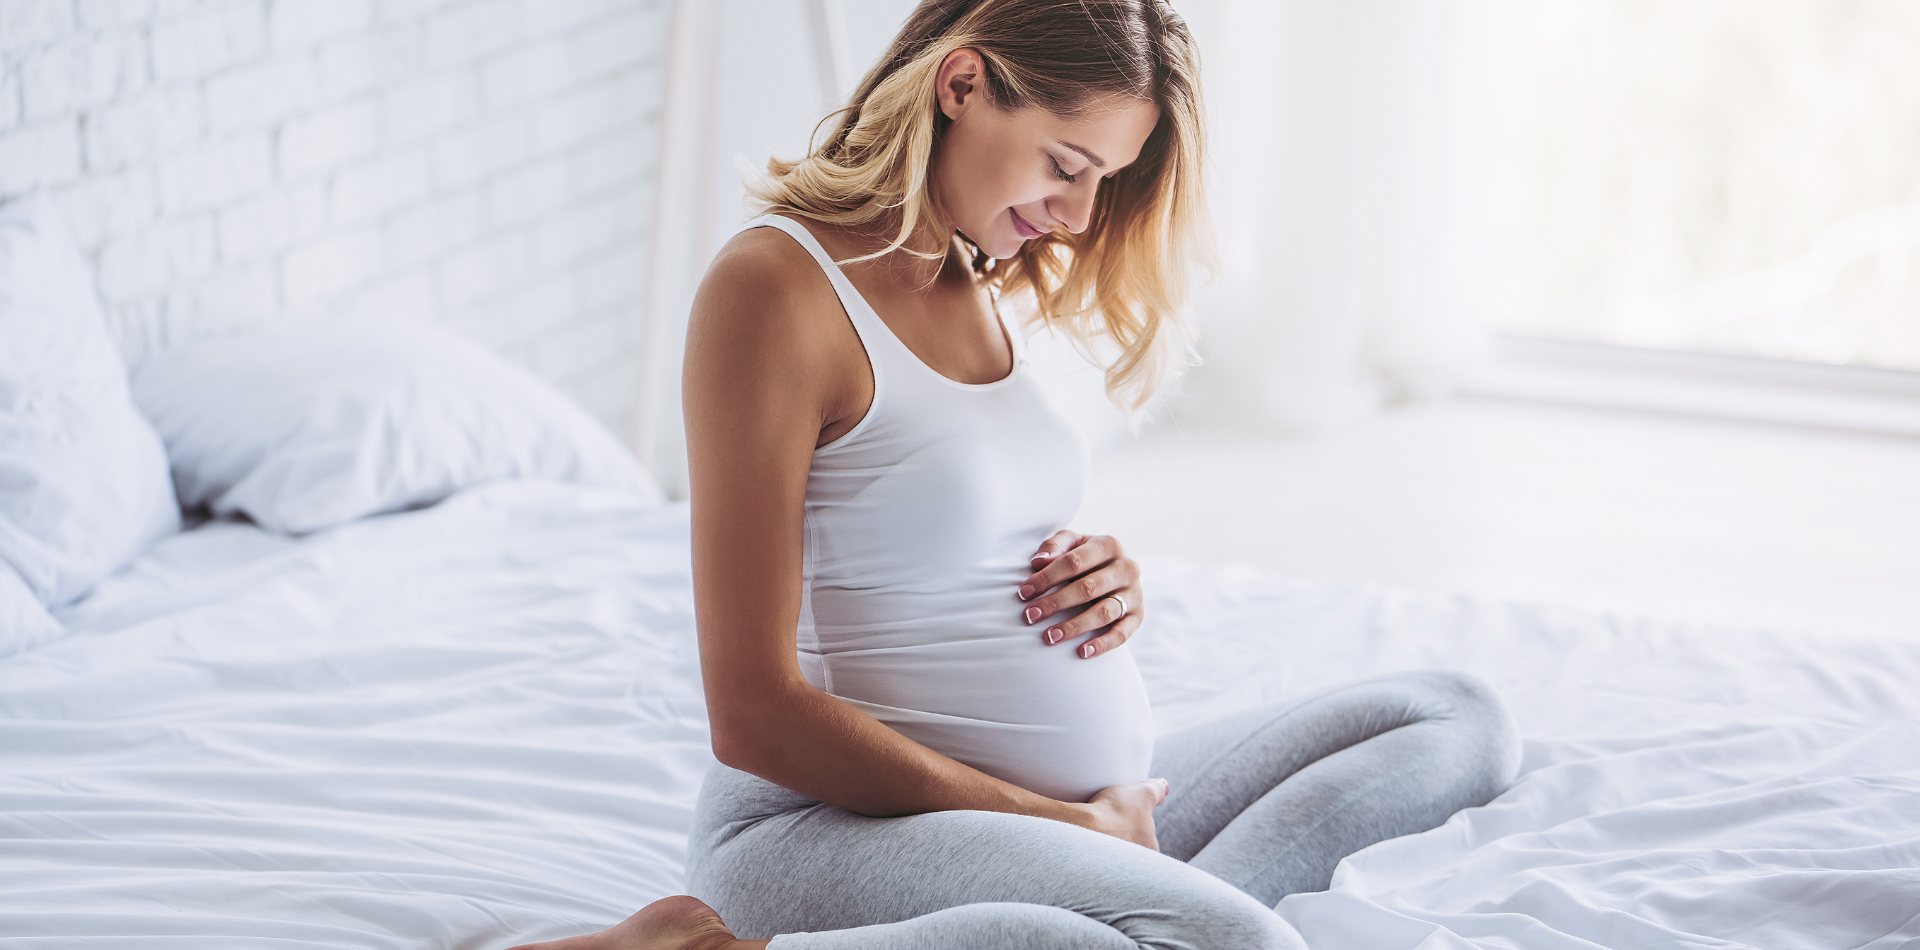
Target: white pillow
24,621
83,479
311,425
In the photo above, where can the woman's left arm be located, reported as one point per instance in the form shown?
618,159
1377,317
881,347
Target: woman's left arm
1075,570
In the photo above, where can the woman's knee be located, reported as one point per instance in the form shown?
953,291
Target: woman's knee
1205,915
1486,728
1247,925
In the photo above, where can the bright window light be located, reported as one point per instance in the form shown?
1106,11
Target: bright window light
1714,175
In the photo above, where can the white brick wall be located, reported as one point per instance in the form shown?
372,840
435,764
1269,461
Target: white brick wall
485,164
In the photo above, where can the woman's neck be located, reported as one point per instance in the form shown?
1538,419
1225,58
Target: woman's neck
910,264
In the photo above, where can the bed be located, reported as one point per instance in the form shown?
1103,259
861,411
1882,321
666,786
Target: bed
468,715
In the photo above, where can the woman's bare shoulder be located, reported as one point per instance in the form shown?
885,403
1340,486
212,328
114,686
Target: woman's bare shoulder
766,308
764,266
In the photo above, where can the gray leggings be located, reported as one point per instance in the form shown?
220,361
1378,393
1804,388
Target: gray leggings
1265,802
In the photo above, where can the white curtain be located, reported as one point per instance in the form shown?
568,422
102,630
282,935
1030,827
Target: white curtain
1343,203
746,79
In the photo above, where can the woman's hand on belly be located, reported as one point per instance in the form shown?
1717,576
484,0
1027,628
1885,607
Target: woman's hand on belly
1093,573
1126,811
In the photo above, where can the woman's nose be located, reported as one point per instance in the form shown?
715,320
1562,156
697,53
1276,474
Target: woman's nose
1075,208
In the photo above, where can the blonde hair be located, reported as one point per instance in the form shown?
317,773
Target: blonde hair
1124,278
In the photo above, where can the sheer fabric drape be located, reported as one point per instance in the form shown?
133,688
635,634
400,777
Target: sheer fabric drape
1341,197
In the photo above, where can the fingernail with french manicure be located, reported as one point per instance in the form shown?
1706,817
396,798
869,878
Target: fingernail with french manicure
1053,636
1086,652
1026,591
1033,613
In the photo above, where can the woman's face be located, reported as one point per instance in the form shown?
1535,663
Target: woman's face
1007,177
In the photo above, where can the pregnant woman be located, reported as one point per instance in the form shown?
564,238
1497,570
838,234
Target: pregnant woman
931,731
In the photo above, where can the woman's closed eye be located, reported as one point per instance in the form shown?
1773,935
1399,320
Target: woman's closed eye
1060,172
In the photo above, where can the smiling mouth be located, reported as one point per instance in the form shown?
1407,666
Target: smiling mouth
1020,225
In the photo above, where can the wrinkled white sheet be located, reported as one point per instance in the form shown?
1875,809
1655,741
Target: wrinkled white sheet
1683,787
480,723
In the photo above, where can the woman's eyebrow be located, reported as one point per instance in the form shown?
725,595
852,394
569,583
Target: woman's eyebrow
1095,159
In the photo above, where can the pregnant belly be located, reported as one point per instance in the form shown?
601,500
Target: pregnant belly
1036,716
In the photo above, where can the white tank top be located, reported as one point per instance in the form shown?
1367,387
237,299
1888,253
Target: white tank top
919,525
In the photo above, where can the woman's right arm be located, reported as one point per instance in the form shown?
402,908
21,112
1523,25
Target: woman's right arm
771,363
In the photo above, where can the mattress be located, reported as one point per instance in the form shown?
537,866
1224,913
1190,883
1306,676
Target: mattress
480,723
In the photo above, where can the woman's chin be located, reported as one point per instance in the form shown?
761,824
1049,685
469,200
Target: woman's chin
1007,247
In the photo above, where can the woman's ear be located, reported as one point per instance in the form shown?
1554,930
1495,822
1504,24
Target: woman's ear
961,82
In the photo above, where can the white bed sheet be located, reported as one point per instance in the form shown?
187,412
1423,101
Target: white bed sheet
480,723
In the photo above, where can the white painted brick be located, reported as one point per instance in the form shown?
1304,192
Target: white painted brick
308,200
81,71
243,293
551,304
471,325
349,66
561,16
98,207
329,138
566,350
578,232
34,156
528,192
515,320
464,157
260,228
95,14
216,173
259,94
212,36
158,260
590,228
135,132
134,266
423,106
606,393
138,325
375,188
25,24
486,163
303,23
313,273
180,307
585,113
411,11
633,208
465,33
364,62
624,157
191,248
406,297
619,42
257,229
428,231
483,269
612,279
526,74
9,97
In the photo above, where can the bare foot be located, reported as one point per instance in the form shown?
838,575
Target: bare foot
671,923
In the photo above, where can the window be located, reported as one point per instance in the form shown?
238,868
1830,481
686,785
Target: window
1720,176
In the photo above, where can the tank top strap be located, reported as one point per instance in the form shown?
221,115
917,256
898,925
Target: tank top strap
883,346
874,334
